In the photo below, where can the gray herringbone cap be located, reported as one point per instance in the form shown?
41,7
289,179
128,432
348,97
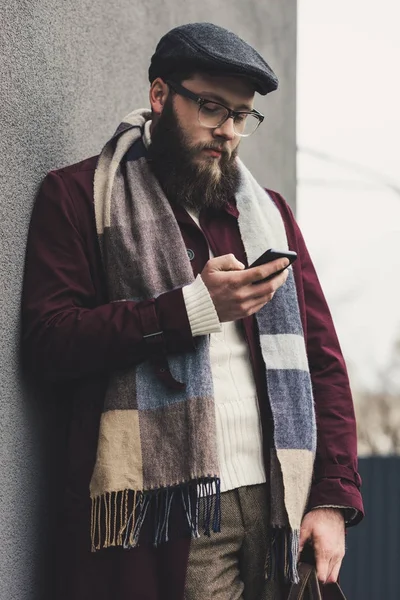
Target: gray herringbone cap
209,48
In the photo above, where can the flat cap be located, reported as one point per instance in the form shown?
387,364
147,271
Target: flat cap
210,48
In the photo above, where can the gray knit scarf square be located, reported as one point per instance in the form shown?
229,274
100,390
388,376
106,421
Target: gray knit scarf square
157,444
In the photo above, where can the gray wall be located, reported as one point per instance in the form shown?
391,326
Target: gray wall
70,72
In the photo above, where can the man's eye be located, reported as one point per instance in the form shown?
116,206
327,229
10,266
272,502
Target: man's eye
240,118
212,109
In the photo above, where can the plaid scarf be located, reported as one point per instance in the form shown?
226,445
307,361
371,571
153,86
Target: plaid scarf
158,444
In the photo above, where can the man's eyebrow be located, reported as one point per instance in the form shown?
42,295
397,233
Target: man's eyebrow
213,96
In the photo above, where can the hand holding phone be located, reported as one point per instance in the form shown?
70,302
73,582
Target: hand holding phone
231,288
269,256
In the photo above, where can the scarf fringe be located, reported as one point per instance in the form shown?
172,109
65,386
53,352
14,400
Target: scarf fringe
283,555
117,518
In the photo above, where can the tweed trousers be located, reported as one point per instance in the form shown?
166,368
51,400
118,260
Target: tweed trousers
230,565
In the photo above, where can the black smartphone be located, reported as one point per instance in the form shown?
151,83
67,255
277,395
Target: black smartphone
269,256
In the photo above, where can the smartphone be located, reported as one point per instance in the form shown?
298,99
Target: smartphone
269,256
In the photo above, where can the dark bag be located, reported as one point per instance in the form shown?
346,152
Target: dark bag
308,587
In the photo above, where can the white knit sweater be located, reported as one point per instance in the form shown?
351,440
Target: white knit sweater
238,421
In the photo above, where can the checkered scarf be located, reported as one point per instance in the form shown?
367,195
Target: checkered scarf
158,445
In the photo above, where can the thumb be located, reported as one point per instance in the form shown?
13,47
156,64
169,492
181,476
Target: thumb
227,262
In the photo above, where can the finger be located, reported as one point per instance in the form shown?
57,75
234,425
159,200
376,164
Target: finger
253,307
322,567
268,287
251,294
334,569
256,302
227,262
263,271
323,557
254,297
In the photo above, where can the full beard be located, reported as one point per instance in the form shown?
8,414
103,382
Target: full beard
207,183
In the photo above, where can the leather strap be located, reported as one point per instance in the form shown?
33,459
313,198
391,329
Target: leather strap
308,588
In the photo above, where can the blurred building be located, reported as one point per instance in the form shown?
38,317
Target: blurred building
349,211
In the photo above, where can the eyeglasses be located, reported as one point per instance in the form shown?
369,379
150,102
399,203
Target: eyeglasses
214,114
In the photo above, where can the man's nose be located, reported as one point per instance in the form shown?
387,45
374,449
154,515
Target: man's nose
225,130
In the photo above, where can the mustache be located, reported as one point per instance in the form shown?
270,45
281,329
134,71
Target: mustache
216,147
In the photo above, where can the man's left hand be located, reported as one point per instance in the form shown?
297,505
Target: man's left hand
324,529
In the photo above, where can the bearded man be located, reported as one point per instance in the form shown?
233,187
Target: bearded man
212,431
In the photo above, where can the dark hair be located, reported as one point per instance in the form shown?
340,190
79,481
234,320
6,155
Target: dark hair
179,76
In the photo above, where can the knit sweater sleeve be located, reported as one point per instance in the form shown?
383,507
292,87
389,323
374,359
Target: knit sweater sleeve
203,317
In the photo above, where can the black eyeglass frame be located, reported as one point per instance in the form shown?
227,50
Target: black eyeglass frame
232,114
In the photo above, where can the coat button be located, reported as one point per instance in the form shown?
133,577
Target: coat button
190,254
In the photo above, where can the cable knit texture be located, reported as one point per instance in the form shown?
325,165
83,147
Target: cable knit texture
239,436
203,317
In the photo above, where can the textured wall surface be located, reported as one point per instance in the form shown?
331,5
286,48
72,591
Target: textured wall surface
70,72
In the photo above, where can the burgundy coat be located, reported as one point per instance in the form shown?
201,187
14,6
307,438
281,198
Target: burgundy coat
72,337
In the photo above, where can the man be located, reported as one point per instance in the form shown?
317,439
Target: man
212,432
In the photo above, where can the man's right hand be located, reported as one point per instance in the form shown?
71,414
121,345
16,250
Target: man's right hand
230,285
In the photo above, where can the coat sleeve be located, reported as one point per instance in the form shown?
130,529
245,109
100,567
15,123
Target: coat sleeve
336,481
66,331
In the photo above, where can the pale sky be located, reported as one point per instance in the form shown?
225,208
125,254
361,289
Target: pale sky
349,108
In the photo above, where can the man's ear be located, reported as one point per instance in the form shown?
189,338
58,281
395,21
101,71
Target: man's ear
158,94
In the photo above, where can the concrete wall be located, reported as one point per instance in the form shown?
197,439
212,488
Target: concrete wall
70,72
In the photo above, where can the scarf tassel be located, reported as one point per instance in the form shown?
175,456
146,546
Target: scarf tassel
283,555
117,518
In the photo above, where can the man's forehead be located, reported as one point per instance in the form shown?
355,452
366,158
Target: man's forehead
222,87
